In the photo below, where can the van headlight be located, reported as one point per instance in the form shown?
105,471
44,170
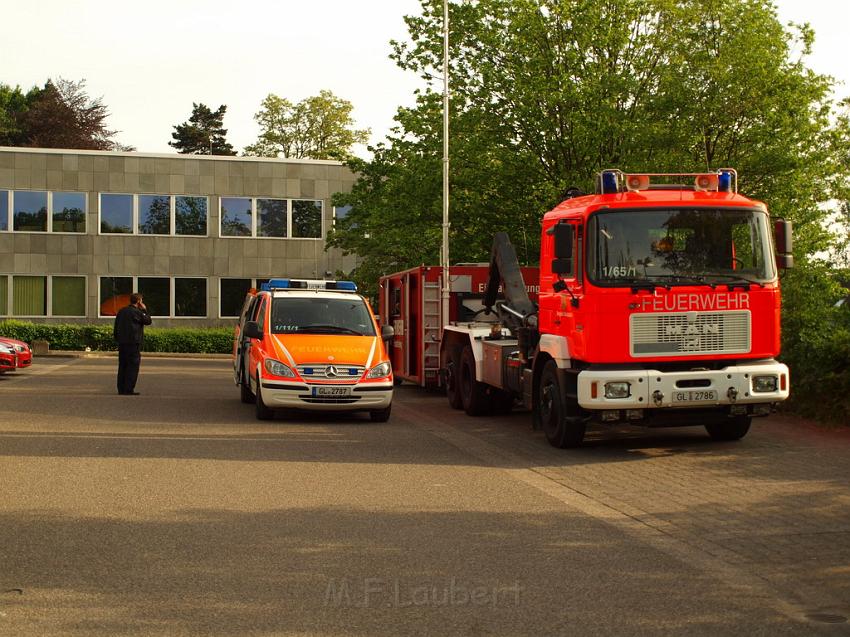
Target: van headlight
379,371
276,368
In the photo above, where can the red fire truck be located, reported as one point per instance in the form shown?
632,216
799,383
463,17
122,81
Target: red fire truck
410,302
658,305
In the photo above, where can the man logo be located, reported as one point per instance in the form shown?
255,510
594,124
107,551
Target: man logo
692,330
331,371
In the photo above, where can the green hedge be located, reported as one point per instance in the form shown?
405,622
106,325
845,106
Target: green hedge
217,340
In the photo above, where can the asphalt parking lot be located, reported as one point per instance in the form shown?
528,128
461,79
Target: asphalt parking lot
177,513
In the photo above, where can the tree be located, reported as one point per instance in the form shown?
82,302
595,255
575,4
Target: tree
545,93
60,115
14,104
318,127
203,134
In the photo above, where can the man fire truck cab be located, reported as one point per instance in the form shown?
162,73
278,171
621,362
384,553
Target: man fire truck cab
658,305
313,345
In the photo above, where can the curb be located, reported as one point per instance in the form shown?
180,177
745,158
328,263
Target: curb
105,354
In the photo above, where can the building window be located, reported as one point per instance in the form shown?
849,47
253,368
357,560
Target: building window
115,293
236,217
4,210
157,293
272,217
231,296
190,297
164,297
30,210
307,219
68,296
29,296
154,214
4,296
116,214
68,211
340,213
190,216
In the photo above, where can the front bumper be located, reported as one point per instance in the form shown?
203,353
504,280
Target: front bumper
282,395
653,389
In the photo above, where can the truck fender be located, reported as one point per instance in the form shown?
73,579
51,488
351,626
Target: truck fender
454,341
557,347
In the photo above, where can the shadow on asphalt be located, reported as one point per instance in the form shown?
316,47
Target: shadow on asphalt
305,570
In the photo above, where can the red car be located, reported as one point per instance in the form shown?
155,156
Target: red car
8,358
21,351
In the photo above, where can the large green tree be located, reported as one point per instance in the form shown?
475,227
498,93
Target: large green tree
203,133
318,127
545,93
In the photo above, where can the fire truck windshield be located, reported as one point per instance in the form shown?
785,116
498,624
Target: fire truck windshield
321,315
679,246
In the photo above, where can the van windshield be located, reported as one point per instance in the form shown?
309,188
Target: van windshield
679,246
307,315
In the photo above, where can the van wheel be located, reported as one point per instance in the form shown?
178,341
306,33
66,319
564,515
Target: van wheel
453,382
561,430
729,429
245,393
380,415
473,394
263,412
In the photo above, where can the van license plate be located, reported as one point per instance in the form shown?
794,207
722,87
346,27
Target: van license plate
331,391
695,396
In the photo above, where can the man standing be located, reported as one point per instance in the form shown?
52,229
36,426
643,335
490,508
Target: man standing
129,332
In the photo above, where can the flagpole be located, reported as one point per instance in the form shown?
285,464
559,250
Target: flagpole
444,260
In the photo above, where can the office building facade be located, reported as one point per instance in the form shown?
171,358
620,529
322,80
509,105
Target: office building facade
81,230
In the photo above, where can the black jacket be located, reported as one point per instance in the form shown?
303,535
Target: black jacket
130,325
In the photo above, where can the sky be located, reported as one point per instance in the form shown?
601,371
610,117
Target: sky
150,61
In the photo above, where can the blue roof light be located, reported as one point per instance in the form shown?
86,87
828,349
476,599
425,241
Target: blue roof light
609,182
724,181
347,286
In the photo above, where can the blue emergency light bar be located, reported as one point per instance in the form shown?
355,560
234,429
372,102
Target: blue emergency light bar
612,181
308,284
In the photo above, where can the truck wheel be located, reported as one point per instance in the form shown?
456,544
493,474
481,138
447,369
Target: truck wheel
263,412
453,382
380,415
561,430
729,429
473,394
245,392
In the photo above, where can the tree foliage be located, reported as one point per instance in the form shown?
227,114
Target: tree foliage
203,133
318,127
545,93
59,115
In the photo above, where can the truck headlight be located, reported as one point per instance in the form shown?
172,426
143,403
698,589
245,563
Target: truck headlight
619,389
764,384
276,368
379,371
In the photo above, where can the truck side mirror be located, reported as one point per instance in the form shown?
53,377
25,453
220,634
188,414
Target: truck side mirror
252,330
563,262
784,244
387,332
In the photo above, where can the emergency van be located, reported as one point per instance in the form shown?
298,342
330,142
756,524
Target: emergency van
312,345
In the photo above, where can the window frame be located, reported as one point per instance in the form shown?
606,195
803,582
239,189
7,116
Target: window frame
10,212
253,285
48,309
254,218
171,294
172,214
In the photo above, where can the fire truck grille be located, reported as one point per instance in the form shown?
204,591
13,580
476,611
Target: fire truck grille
337,372
686,333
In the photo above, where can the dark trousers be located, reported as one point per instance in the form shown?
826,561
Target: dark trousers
129,359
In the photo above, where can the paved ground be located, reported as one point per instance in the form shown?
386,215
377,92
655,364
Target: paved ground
177,513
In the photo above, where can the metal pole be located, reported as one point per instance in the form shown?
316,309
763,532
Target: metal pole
444,257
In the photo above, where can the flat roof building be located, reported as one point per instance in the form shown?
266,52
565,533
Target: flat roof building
81,230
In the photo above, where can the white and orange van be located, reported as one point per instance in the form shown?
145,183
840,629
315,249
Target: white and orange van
312,345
